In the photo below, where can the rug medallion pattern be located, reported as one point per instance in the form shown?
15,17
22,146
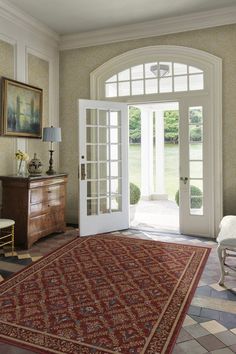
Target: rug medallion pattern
102,294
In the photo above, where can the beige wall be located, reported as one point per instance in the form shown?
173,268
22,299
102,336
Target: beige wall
76,65
7,145
38,75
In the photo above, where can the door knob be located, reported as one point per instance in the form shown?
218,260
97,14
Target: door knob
184,179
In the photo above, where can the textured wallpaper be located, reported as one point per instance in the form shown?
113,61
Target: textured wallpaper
76,65
6,143
38,75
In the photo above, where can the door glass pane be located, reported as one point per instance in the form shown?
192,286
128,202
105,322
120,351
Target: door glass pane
103,152
196,82
151,86
180,69
196,169
92,171
115,169
193,70
195,151
92,190
104,206
104,170
195,115
91,152
91,116
103,135
92,206
103,117
116,204
115,152
115,118
91,134
124,75
115,135
166,84
104,188
137,87
112,79
124,88
116,186
137,72
196,197
180,83
195,133
151,70
165,69
111,90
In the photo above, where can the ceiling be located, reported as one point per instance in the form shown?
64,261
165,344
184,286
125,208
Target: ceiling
76,16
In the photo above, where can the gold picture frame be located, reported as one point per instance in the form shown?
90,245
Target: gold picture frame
22,107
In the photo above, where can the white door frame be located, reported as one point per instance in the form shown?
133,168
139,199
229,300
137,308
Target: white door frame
212,67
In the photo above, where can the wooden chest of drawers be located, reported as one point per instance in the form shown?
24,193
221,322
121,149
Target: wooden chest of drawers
37,204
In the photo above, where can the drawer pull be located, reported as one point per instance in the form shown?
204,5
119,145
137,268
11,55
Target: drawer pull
49,191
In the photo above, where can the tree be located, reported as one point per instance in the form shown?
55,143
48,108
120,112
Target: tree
171,126
134,125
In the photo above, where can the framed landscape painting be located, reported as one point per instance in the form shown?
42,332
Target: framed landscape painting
21,109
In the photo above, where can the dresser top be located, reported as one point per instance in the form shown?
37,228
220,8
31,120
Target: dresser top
30,178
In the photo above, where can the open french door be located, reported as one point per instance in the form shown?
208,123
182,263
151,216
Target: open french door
103,167
196,168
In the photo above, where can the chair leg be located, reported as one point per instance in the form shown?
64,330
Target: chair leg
12,239
221,256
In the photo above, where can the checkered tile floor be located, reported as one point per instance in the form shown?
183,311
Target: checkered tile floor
210,325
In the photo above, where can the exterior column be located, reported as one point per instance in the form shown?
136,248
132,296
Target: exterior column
146,152
159,156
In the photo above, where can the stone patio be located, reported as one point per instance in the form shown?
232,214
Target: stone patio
161,215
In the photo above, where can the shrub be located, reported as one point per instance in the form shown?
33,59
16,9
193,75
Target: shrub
135,193
196,203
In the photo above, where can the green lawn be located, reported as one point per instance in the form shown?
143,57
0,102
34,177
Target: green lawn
171,167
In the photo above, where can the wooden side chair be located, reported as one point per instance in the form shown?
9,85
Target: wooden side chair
7,229
227,245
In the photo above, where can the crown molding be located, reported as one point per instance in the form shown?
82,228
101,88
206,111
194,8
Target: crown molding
17,16
154,28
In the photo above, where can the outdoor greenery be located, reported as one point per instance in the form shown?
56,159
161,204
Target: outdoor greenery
134,193
134,125
196,201
171,125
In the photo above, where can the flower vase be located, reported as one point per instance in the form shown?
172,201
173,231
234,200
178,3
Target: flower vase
20,171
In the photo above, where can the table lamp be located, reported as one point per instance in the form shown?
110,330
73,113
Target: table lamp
53,135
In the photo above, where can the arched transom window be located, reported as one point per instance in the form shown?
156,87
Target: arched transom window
155,77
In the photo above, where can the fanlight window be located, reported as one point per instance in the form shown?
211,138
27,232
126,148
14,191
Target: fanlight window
155,77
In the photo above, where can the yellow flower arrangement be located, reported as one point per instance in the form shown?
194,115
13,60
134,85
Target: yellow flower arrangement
21,156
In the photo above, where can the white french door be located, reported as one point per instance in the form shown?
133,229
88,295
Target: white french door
103,169
196,168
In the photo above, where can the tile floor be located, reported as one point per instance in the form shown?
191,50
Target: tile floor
210,324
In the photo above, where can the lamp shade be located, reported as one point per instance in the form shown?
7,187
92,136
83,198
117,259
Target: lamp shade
52,134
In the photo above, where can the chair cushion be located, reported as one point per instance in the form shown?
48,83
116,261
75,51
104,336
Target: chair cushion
6,223
227,234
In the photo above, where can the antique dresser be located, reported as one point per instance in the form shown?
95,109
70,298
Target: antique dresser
37,204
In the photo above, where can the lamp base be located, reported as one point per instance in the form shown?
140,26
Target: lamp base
51,171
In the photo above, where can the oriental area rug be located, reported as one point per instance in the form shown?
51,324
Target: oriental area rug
102,294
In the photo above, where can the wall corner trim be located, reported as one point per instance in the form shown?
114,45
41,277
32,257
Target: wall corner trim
17,16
